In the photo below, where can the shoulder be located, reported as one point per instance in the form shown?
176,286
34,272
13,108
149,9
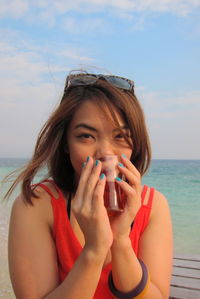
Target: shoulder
40,209
160,208
31,247
47,189
158,197
159,202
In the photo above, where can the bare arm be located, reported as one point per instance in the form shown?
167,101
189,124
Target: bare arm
82,280
155,249
33,261
155,244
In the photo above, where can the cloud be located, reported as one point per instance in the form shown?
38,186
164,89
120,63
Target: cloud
172,122
52,9
190,99
27,68
178,7
85,25
166,106
74,54
166,109
94,16
13,8
21,58
32,78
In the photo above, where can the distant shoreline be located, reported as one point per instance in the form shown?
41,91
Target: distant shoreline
154,159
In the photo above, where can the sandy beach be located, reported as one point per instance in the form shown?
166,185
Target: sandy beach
6,291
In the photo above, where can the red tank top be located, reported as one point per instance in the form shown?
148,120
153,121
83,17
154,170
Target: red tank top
68,247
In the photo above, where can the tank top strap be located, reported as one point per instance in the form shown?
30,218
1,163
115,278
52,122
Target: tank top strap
151,195
144,191
48,190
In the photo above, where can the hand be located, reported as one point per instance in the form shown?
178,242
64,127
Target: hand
121,223
88,208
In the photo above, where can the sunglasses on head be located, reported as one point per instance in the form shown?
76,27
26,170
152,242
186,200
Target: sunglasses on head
89,79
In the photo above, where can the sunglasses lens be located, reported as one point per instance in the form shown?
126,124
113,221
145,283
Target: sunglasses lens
82,80
119,82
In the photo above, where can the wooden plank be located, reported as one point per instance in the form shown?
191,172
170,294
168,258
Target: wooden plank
179,293
177,271
185,283
190,264
191,257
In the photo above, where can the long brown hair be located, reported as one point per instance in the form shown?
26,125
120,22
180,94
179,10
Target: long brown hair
50,149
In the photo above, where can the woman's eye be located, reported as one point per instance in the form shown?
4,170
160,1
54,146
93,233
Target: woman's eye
85,136
121,136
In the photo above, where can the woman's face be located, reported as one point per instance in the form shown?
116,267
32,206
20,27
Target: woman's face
92,133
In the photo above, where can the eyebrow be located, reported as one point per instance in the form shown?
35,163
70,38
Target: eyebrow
86,126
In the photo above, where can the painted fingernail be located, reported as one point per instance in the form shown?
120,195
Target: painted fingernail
118,179
120,165
102,176
96,162
124,156
88,158
83,165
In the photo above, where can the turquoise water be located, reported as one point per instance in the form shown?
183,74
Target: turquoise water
179,181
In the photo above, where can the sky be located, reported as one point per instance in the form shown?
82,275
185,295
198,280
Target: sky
156,43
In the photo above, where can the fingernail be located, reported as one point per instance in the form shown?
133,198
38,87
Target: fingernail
96,162
102,176
84,163
124,156
120,165
118,179
88,158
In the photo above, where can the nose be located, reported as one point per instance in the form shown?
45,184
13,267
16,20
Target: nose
105,148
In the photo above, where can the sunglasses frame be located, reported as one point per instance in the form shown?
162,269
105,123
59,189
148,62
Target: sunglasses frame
78,80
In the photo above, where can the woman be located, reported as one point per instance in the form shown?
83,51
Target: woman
62,242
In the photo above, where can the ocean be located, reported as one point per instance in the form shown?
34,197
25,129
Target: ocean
178,180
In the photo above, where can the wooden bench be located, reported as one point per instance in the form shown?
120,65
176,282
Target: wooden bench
185,283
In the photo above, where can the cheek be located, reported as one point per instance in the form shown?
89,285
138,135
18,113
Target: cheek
127,152
77,159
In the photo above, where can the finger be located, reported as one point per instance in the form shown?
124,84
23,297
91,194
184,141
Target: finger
93,178
130,165
128,190
98,195
130,176
86,170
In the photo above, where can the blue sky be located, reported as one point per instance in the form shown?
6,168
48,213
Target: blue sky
156,43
